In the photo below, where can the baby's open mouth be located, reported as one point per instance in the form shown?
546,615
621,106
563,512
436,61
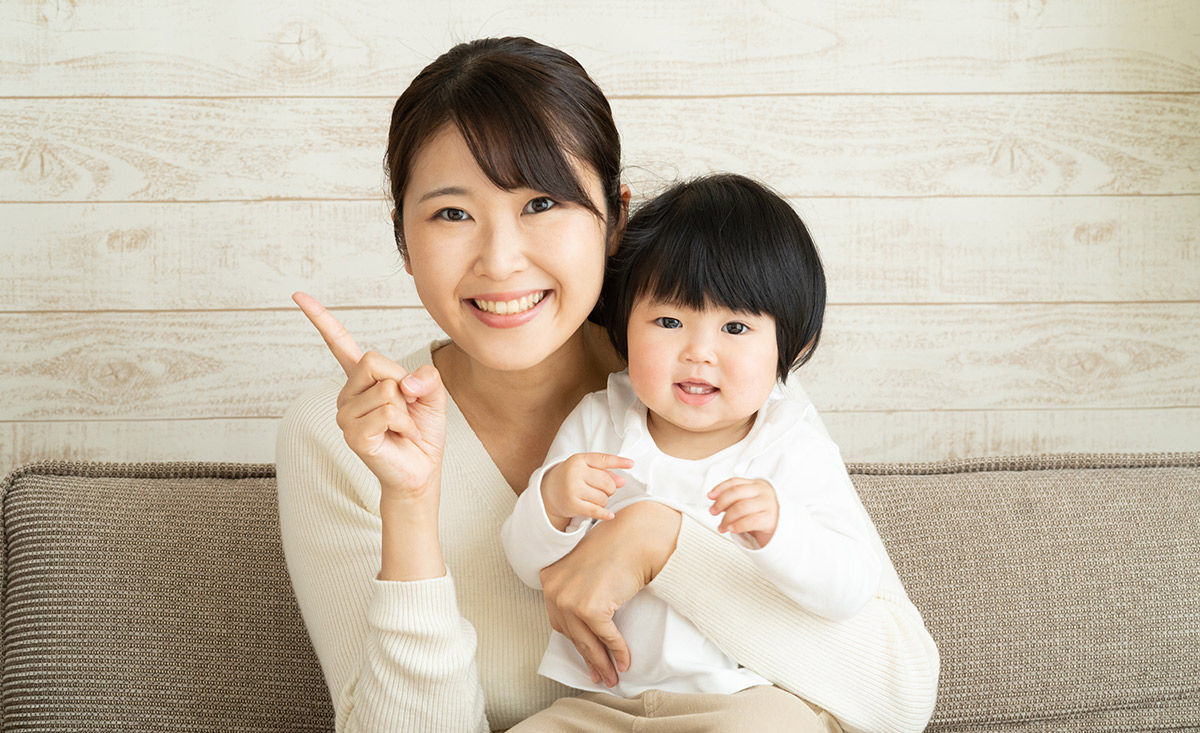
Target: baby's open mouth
697,387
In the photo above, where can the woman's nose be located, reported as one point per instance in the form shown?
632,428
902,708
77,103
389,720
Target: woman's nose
501,252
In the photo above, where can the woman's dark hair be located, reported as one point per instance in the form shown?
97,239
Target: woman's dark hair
720,240
524,109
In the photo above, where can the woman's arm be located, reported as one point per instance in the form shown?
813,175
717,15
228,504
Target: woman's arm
876,671
395,655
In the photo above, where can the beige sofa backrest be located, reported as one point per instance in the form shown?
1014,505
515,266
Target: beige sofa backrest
1062,592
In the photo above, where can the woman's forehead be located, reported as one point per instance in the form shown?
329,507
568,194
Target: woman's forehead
444,165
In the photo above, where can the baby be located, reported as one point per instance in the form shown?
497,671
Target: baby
715,296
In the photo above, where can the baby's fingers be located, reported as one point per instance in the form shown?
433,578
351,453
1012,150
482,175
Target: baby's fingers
605,461
727,494
741,511
592,505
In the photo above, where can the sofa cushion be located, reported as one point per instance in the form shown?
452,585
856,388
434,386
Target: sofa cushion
151,597
1063,591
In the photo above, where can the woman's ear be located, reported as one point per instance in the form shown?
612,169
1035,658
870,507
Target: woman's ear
397,229
615,239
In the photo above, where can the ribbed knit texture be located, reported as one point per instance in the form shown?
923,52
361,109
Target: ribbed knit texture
436,654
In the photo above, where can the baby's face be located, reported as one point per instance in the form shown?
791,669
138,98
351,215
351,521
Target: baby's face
700,371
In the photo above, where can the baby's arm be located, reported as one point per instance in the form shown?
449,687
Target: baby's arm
820,555
570,484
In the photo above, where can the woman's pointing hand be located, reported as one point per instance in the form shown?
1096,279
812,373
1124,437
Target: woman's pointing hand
393,420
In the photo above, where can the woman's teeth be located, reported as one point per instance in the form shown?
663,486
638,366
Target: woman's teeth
507,307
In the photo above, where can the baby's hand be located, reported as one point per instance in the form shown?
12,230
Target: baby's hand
580,487
749,505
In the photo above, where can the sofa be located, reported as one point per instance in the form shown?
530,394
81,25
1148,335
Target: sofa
1062,591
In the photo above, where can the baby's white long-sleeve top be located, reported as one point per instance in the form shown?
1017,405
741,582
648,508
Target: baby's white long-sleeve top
821,555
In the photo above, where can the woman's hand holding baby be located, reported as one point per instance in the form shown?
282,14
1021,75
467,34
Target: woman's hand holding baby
580,487
750,507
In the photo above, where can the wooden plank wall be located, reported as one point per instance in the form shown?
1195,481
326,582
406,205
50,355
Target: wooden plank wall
1006,194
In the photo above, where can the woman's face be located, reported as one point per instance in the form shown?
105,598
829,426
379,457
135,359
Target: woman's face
510,276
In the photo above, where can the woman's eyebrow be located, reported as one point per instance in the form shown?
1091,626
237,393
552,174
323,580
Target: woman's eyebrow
447,191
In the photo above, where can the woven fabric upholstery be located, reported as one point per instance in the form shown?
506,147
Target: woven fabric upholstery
1063,591
151,597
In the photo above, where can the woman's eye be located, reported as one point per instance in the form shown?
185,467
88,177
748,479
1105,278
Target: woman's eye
451,214
540,204
667,322
735,328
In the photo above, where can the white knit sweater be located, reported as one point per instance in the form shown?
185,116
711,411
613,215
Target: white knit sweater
460,653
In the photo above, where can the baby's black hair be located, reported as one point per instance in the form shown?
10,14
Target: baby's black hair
721,240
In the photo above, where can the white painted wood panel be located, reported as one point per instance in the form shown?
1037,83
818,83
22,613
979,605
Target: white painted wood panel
899,145
188,364
242,440
862,436
1005,194
929,435
1007,356
161,256
632,47
229,364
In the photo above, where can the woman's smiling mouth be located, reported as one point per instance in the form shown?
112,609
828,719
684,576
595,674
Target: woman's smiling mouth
508,310
506,307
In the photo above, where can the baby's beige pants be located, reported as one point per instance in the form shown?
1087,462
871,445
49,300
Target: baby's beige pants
763,709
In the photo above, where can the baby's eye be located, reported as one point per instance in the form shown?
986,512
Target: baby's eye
451,214
540,204
735,328
667,322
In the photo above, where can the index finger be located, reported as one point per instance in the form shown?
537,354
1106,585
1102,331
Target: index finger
607,460
337,338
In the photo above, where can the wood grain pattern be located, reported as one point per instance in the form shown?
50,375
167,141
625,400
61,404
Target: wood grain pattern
227,255
995,357
176,365
919,145
862,436
937,435
244,440
906,357
145,48
160,256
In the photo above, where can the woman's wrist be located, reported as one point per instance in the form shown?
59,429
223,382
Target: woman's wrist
657,526
411,549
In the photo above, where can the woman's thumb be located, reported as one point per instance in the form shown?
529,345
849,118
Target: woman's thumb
425,384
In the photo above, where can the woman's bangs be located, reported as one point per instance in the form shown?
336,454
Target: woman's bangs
517,148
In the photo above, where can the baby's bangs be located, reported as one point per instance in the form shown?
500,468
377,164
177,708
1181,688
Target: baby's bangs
516,146
691,266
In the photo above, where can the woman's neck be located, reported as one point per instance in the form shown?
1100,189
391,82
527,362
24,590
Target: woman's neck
579,366
515,414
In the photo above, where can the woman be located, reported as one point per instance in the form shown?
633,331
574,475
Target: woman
504,165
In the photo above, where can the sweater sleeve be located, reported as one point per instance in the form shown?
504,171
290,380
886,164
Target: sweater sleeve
876,671
395,655
821,555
